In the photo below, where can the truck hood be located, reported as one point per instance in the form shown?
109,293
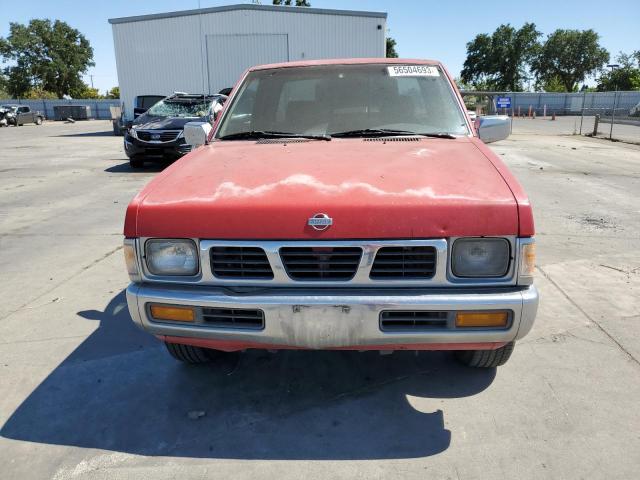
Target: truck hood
426,188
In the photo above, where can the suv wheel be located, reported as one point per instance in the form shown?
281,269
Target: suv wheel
485,358
38,120
136,163
190,354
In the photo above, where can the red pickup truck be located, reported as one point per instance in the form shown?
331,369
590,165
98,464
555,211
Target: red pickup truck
339,204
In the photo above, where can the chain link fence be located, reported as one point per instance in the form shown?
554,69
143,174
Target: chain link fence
612,115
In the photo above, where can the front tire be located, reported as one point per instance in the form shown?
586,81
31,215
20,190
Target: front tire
38,120
189,353
485,358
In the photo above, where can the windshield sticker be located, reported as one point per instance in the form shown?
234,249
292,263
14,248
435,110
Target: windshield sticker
413,71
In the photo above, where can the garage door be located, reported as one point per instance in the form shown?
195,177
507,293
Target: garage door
230,55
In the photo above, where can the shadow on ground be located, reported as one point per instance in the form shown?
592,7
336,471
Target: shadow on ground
120,390
106,133
149,167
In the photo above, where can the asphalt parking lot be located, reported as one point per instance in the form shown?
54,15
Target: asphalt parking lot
87,395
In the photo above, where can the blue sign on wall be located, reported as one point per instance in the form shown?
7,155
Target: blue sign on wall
503,102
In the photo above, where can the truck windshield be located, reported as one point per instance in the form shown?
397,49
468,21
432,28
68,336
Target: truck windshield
353,100
179,108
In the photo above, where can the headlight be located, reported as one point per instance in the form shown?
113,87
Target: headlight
480,257
172,257
133,133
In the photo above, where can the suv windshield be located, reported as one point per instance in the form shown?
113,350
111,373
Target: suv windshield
177,107
353,100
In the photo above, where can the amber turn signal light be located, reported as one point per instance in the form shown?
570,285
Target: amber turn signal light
172,314
482,319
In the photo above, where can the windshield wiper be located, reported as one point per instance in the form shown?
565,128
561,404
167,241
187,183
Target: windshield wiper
437,135
385,132
270,134
372,132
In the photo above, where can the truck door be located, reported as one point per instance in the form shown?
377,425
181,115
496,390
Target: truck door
24,115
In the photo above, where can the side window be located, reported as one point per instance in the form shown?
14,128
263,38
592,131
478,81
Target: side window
247,99
23,110
241,112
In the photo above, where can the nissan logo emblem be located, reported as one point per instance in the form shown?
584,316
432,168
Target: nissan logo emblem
320,221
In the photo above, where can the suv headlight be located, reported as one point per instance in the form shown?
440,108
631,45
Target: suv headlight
480,257
172,257
133,133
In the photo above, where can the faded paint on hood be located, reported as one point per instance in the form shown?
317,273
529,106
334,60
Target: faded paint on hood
371,189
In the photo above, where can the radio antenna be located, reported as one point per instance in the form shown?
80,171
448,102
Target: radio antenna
202,53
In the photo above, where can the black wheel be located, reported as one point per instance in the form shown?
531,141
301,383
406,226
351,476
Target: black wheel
190,354
38,120
485,358
136,163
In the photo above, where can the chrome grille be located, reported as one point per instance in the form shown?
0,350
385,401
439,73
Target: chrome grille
404,262
233,318
412,320
321,263
155,136
240,262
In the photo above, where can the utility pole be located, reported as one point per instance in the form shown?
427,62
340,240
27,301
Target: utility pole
615,97
91,77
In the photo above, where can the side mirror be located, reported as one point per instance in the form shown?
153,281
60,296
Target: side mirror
493,128
196,133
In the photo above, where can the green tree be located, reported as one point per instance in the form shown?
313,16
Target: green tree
113,93
84,91
552,84
297,3
391,48
4,91
499,61
626,77
38,93
570,56
46,55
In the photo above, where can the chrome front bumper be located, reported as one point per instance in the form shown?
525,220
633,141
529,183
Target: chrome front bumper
338,318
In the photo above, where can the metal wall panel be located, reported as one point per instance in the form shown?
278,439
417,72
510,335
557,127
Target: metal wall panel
248,50
162,55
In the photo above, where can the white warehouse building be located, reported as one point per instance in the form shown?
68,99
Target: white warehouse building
206,50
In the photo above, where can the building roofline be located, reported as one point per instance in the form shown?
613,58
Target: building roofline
248,6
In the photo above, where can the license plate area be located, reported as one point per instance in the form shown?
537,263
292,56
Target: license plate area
322,326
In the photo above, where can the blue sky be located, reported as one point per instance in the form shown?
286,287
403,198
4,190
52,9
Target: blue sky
423,29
